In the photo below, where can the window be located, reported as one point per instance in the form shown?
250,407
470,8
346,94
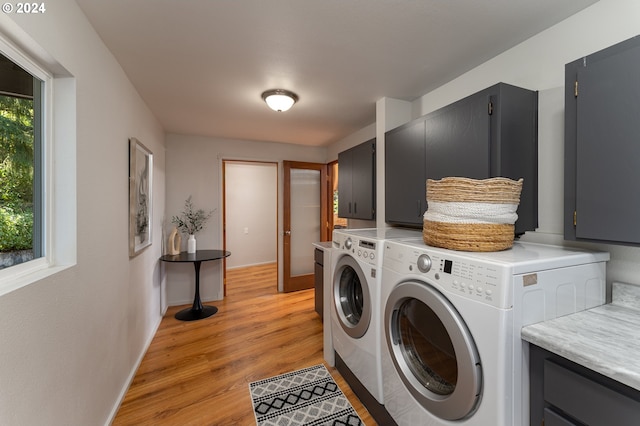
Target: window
38,190
21,214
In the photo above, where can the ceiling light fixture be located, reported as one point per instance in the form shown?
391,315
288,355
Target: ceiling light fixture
279,99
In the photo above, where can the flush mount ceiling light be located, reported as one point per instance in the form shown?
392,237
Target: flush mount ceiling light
279,99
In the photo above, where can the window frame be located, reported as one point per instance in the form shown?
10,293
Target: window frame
57,235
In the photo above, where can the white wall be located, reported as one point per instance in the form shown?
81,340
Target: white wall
195,167
71,342
251,190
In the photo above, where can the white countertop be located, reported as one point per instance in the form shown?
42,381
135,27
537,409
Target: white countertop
605,339
323,245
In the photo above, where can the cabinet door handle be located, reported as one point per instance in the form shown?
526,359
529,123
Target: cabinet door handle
419,209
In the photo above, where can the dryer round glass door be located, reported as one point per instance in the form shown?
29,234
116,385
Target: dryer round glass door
351,297
433,350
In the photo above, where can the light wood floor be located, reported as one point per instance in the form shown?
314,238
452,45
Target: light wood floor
197,373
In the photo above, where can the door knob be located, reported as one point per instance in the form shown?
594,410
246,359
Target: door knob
287,233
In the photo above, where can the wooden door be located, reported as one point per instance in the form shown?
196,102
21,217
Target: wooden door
304,221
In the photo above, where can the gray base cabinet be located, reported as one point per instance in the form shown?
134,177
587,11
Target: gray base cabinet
356,181
491,133
565,393
602,153
319,281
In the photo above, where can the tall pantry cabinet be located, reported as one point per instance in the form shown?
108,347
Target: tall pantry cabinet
491,133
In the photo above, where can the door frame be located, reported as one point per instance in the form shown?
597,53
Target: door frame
331,181
224,211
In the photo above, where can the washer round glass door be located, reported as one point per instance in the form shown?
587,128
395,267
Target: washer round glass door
351,298
433,350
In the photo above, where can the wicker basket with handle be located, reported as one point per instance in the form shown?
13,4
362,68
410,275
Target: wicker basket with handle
470,214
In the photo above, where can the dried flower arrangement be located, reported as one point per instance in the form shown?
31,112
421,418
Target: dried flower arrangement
191,221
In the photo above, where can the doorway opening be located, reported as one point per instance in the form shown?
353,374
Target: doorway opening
250,213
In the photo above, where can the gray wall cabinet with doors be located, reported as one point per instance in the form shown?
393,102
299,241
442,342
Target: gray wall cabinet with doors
602,145
488,134
356,181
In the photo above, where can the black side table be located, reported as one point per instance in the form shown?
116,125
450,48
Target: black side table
197,311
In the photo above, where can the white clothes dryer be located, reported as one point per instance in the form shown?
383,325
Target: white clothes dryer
355,321
451,347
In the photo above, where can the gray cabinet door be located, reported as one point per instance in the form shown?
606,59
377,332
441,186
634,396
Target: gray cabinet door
564,393
345,172
604,146
457,139
356,182
363,180
514,146
405,175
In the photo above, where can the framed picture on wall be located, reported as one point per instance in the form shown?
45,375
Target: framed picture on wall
140,202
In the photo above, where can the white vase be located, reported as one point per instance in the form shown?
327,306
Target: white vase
191,244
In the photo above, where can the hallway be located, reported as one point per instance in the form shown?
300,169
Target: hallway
197,373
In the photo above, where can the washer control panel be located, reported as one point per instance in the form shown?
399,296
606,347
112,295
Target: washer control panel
362,249
482,281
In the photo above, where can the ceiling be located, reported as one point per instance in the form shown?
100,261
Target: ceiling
201,65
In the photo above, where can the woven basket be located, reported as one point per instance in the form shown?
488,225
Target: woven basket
483,230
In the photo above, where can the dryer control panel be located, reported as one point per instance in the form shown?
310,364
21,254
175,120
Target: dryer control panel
485,282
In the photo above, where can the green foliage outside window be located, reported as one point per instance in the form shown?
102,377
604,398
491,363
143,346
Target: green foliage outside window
16,173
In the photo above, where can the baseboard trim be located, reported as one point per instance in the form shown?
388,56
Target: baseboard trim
132,374
271,262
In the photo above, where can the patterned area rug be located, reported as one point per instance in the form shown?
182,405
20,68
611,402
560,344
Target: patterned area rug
304,397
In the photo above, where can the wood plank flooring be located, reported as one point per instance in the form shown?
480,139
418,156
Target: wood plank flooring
197,373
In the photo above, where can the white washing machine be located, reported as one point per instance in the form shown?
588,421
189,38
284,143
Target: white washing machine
451,347
355,320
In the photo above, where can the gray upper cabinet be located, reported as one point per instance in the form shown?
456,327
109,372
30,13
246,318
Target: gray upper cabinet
602,145
356,181
488,134
405,175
